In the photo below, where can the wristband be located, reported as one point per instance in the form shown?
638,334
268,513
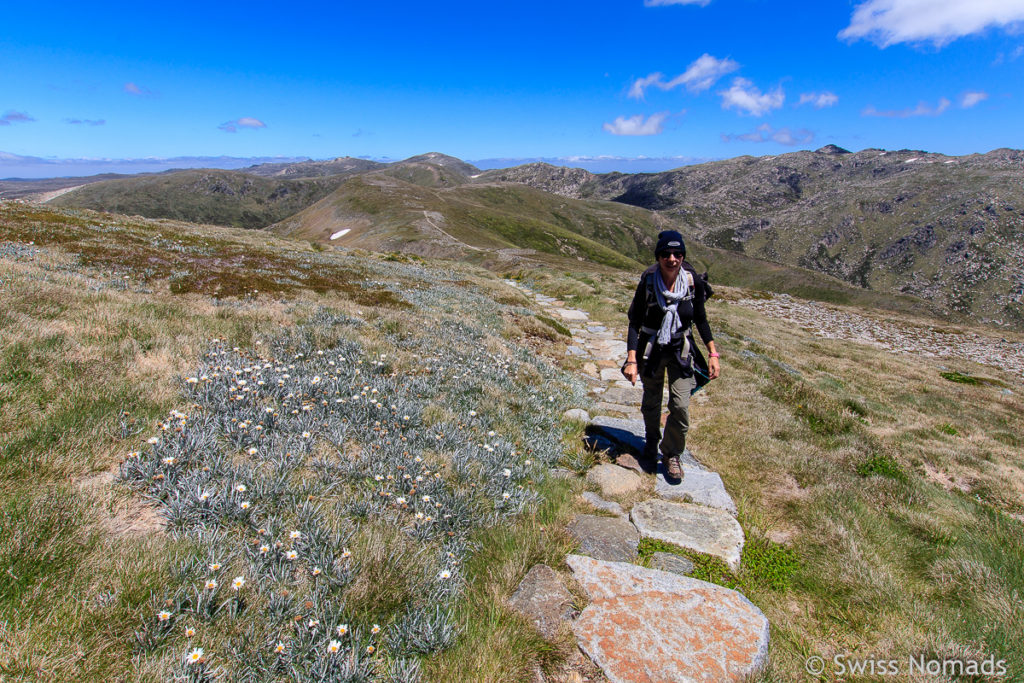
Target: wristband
630,362
713,355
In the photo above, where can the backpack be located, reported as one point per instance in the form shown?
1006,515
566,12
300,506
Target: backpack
697,362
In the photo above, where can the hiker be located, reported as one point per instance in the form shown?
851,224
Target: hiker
668,300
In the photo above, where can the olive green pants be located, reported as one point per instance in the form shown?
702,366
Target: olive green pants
678,423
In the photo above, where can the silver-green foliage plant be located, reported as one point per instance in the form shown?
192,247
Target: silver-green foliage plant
292,452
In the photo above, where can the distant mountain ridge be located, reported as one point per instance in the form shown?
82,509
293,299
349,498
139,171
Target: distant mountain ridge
946,229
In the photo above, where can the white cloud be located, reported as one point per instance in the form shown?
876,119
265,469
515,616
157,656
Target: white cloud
249,122
888,22
703,73
244,122
819,100
922,109
743,96
636,91
662,3
766,133
636,125
969,99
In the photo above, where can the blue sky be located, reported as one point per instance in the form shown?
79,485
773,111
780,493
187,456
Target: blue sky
561,79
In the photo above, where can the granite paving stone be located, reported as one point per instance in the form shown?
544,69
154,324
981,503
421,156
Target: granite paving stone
614,480
605,538
649,626
698,485
707,530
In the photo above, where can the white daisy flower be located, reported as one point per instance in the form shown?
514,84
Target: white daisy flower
238,583
195,656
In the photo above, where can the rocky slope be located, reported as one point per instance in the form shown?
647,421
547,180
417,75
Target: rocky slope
947,229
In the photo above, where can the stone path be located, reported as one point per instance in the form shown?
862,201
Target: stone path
650,625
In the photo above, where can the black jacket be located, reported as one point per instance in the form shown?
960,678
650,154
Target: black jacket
646,314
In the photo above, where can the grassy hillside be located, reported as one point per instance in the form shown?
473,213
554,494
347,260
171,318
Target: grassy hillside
132,389
231,198
479,223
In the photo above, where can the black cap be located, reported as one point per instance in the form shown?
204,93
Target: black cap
670,239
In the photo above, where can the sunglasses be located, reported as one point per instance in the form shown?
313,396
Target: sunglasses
672,254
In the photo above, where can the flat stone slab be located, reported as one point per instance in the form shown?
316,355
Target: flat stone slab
610,350
605,538
611,374
606,407
543,599
668,562
575,351
614,480
624,395
571,314
602,504
698,485
650,626
707,530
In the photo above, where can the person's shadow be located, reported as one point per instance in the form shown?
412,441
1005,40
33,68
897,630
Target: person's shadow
622,445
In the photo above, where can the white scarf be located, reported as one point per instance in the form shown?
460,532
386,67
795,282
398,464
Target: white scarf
669,303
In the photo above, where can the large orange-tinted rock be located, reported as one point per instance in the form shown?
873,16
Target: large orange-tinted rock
648,626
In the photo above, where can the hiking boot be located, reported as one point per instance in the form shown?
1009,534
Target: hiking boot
673,468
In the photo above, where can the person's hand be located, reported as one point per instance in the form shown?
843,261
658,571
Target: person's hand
714,368
630,372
